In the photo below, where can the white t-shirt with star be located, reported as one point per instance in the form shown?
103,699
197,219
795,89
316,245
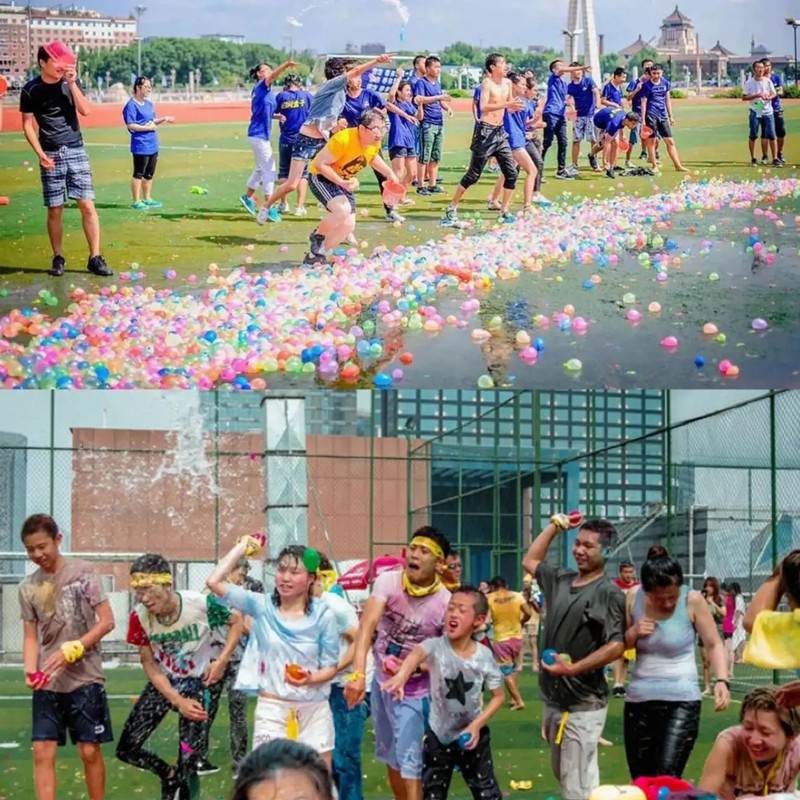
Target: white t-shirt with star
457,686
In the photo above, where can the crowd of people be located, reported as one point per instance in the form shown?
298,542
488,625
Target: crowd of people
418,659
328,138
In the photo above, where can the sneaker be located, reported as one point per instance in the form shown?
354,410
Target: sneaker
564,175
139,205
593,163
764,160
572,171
440,180
312,260
753,162
781,158
423,190
540,200
172,789
283,208
777,162
610,173
658,156
57,267
493,205
642,155
273,215
506,217
249,204
451,220
263,212
415,184
494,169
436,189
351,239
301,211
618,691
394,216
153,203
97,266
205,767
317,244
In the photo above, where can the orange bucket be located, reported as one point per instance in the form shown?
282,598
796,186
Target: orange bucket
3,85
646,132
393,193
623,145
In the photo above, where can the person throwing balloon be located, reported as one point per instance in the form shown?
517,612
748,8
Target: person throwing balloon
459,668
585,623
292,654
406,608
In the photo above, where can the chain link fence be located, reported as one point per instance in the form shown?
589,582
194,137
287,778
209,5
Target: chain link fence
186,474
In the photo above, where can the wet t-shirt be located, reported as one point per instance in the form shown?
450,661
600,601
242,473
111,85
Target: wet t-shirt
457,686
62,605
185,648
406,622
580,620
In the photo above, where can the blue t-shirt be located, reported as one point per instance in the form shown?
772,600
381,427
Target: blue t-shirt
612,93
636,103
656,95
610,119
294,105
262,107
143,143
777,82
514,124
354,107
432,112
402,133
556,95
583,93
476,96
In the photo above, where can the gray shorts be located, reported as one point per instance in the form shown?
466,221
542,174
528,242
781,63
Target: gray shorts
71,177
574,761
583,130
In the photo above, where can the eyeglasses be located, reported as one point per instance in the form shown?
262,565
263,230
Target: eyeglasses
454,566
379,130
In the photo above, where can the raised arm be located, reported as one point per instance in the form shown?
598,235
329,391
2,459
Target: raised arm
537,552
368,65
767,598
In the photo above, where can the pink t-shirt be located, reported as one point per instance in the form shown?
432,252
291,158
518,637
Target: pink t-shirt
727,622
406,622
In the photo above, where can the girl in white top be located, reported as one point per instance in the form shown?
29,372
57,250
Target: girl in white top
293,651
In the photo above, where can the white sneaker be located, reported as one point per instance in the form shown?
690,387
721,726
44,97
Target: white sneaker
572,170
284,208
395,216
301,211
351,239
263,213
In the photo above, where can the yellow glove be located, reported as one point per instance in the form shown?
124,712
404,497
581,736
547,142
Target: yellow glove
561,521
73,651
253,544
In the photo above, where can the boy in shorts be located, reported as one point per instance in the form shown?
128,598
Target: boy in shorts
459,668
323,119
54,100
759,91
292,107
429,96
586,96
657,115
332,179
777,109
610,122
65,614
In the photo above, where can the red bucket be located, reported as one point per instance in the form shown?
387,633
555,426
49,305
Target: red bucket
393,193
3,85
646,132
623,145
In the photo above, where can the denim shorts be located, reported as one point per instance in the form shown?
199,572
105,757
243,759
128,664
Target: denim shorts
306,148
285,160
765,122
402,152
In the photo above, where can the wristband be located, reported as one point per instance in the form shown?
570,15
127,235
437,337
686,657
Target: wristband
354,676
72,651
723,680
561,521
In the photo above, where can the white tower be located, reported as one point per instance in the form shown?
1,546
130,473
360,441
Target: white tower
580,20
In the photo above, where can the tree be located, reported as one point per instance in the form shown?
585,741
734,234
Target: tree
646,52
609,62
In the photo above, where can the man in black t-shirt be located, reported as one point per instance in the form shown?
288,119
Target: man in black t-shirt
585,621
54,100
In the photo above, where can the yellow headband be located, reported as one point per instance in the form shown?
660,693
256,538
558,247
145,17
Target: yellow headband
141,579
328,578
424,541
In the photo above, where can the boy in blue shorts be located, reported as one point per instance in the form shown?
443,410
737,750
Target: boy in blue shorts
611,122
459,668
555,114
586,96
291,109
657,115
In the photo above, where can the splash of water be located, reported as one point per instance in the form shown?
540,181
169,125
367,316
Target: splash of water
295,21
401,8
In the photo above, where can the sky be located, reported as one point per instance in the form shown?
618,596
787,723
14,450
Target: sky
330,24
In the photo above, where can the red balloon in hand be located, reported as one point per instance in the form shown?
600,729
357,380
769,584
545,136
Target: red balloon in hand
575,517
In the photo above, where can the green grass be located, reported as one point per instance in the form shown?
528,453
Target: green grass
191,231
519,752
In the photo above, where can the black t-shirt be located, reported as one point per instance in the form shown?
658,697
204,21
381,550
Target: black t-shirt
54,109
579,621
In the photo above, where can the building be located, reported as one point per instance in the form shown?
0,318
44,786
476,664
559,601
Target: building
233,38
373,49
23,29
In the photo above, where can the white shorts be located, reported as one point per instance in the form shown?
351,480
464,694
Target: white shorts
314,722
583,130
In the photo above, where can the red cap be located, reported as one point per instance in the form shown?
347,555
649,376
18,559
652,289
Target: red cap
60,53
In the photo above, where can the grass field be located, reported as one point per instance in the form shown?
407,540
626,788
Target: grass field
192,230
519,752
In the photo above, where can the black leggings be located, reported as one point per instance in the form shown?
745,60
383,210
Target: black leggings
660,736
146,716
488,141
144,167
476,767
237,712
